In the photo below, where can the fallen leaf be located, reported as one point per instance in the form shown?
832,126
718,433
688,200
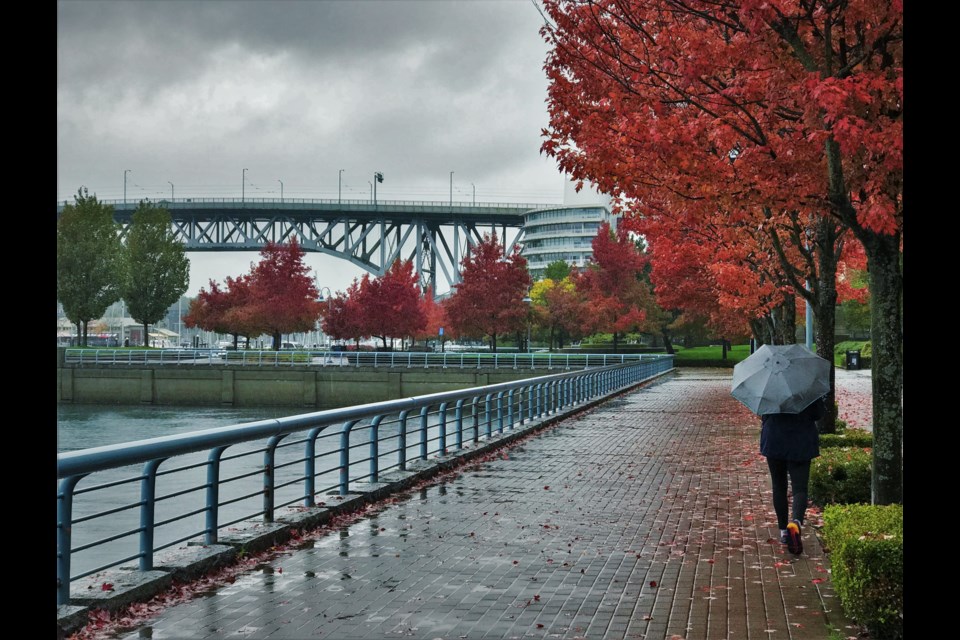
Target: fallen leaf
653,583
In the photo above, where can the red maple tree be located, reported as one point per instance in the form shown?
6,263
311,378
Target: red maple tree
283,295
489,300
390,304
765,110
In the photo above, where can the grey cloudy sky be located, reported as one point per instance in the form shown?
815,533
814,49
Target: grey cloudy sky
191,92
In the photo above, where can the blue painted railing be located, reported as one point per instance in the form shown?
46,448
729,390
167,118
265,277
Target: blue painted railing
258,358
195,486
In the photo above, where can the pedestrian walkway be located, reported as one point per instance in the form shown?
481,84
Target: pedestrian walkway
648,516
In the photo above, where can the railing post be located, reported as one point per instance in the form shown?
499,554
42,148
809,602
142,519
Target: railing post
345,456
423,433
269,466
489,417
148,488
442,444
500,412
510,410
310,467
64,537
402,441
459,418
375,449
213,496
476,420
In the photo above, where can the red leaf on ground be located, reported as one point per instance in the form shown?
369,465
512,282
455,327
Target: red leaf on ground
516,562
817,580
546,487
653,583
539,626
537,598
106,586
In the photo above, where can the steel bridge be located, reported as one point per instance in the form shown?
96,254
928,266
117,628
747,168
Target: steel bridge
369,233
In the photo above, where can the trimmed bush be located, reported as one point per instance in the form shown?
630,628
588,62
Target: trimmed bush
865,543
841,475
847,438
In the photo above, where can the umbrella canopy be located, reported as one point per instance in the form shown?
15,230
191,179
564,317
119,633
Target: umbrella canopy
780,379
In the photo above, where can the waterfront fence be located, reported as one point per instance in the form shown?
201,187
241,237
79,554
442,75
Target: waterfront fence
124,503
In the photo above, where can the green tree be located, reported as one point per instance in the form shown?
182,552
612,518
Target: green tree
557,270
157,270
89,260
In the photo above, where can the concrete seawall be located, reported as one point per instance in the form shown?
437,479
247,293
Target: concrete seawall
239,386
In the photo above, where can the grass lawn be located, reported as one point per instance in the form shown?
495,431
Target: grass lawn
735,354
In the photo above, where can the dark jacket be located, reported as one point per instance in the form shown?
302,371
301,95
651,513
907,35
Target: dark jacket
792,436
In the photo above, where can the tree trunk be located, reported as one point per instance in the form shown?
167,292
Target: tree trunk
146,336
616,342
723,348
886,335
276,340
825,311
667,343
493,343
787,326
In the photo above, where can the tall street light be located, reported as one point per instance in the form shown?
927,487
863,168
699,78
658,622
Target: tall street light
328,300
243,187
281,189
125,172
171,189
474,193
451,188
529,302
377,177
339,185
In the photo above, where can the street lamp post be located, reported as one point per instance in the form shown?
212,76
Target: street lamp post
451,188
474,193
125,172
243,187
281,189
339,185
329,301
529,302
171,189
377,177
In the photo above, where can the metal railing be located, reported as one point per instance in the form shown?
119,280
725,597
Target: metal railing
290,358
195,486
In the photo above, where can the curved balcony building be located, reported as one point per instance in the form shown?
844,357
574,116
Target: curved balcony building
565,232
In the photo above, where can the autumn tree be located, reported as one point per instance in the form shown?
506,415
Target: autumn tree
157,270
489,299
283,295
224,309
559,309
89,260
612,281
779,110
435,317
390,304
342,315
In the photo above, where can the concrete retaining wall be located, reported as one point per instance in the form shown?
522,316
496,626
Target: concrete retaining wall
296,386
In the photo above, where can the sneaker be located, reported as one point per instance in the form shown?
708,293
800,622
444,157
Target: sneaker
784,537
794,543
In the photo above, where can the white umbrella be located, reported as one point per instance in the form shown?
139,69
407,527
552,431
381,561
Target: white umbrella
780,379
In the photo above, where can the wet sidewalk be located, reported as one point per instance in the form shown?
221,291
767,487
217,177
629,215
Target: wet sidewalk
648,516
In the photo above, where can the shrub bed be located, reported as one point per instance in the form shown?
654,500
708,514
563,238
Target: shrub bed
851,437
841,475
865,543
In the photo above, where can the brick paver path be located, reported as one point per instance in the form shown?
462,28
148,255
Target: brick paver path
646,517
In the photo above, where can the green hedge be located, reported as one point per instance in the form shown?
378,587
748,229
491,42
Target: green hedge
865,543
841,475
848,437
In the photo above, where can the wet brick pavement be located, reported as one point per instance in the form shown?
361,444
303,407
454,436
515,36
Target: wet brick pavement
646,517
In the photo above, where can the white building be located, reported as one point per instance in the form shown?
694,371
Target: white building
565,232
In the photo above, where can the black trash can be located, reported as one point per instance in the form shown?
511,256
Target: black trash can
853,359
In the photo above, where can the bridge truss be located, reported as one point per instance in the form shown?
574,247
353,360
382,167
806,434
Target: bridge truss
436,237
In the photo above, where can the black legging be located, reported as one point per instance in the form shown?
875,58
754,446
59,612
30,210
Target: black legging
799,473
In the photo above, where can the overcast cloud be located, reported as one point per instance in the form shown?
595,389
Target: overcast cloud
191,92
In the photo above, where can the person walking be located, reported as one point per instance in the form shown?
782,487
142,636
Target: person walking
789,441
